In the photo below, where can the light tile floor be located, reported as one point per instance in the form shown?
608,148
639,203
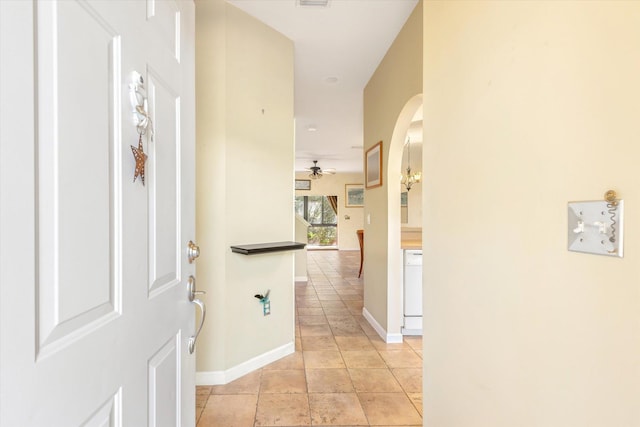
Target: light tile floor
342,373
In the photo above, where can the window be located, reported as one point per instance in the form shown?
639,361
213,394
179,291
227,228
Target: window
318,212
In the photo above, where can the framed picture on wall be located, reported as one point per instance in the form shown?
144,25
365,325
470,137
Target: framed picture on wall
353,195
303,184
373,166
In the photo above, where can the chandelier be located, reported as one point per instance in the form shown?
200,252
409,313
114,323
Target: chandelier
409,178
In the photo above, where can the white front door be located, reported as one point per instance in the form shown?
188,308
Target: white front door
95,318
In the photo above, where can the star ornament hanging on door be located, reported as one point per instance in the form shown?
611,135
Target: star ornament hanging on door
140,158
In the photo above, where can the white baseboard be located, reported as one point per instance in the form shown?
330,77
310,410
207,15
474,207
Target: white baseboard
388,338
225,377
210,378
412,325
301,279
394,338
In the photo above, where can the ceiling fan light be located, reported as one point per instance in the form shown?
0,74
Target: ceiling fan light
315,175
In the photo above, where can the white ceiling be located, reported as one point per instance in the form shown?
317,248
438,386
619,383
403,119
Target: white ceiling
344,41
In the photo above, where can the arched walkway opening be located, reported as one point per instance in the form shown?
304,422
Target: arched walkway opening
411,112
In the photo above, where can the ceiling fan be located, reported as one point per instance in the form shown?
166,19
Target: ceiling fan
317,172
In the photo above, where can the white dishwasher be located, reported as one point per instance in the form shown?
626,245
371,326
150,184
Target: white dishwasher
412,292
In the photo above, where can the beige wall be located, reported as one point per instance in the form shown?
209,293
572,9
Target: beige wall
396,82
333,185
529,105
244,78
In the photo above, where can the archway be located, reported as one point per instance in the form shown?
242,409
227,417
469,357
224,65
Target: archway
394,253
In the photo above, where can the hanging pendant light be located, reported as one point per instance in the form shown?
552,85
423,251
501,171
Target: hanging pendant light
409,178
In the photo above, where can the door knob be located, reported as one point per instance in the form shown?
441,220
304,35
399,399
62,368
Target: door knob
193,251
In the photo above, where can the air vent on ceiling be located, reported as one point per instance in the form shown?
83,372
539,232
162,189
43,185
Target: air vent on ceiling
313,3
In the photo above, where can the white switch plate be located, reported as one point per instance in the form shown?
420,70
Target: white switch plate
595,228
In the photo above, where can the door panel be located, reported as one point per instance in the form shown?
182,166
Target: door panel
95,316
164,383
78,190
164,17
108,415
165,239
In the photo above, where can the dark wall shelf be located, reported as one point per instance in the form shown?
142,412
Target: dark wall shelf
262,248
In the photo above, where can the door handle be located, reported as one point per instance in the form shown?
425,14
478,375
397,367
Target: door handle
192,289
203,309
193,338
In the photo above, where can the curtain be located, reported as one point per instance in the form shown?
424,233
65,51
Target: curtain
333,201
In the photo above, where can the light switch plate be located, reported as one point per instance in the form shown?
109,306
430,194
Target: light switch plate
596,228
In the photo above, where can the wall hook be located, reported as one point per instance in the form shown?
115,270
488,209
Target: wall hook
266,303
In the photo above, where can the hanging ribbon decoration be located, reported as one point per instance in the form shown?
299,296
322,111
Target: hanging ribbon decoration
144,123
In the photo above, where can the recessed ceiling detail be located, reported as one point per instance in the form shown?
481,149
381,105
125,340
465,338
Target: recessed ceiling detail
313,3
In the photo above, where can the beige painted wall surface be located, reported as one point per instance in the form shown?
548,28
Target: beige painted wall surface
333,185
529,105
244,123
397,79
211,115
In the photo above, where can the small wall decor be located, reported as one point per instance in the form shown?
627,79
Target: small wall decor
140,158
404,207
353,195
404,198
373,166
266,303
138,98
303,184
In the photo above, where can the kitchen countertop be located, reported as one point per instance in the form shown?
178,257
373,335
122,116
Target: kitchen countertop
411,244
